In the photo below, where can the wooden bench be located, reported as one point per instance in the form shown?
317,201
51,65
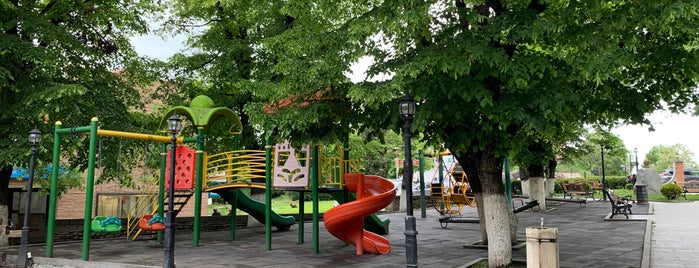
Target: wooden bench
619,205
570,189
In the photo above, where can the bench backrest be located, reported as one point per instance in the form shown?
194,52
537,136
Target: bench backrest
612,196
573,187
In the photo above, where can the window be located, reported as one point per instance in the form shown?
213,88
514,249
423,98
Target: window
125,205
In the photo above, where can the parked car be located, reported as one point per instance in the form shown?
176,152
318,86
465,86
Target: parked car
666,175
689,175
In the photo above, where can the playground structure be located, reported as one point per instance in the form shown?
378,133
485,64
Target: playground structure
451,196
226,173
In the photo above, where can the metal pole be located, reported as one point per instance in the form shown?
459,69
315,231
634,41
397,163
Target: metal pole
54,191
635,151
508,181
198,185
22,256
161,188
604,197
89,189
268,192
423,210
169,258
410,225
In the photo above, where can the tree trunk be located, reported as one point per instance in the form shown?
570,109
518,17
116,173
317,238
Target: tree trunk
481,216
484,170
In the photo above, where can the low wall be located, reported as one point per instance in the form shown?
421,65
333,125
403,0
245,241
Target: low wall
72,230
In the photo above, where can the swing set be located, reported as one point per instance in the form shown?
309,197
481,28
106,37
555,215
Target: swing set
452,195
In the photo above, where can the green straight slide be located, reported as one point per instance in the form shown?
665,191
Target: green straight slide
255,208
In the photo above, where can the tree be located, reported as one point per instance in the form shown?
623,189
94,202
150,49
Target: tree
68,61
662,157
482,71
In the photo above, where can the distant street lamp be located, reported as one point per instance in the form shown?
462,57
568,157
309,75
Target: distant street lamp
396,150
635,151
23,255
174,125
407,111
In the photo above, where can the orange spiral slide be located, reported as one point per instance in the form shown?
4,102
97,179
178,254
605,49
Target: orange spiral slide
346,221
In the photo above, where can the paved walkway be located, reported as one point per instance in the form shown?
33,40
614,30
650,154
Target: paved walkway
586,239
675,235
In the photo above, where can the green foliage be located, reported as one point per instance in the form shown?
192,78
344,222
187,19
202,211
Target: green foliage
516,186
484,74
70,61
294,196
628,186
662,157
671,191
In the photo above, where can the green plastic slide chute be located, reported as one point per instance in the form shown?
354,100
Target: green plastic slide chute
372,222
256,209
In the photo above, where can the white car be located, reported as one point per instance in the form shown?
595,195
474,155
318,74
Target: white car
416,188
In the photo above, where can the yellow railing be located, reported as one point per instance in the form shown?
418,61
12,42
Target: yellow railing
240,166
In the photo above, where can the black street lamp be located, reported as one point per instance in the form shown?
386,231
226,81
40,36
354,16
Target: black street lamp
23,256
174,125
407,111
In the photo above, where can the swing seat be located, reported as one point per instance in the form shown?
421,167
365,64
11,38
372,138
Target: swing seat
102,224
150,223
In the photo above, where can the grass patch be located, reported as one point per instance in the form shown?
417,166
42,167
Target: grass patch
280,205
656,197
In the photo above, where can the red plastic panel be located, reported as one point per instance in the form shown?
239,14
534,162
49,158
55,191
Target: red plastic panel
184,168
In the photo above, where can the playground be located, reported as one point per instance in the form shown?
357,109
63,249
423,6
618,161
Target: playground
586,236
279,167
350,229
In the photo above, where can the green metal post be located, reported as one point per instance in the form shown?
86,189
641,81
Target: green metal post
161,187
301,215
197,185
508,186
54,188
422,184
234,201
89,189
234,212
441,179
314,197
268,193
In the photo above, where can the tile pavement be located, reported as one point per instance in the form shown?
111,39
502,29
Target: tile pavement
586,239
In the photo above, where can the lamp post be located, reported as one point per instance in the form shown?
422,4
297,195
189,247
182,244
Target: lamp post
23,255
395,153
635,152
407,111
174,124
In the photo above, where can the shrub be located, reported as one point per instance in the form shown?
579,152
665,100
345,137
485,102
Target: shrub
628,186
671,190
516,186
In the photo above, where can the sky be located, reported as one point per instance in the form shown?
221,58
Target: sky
670,129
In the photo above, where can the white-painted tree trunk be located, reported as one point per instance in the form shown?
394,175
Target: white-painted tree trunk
537,191
498,226
3,224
